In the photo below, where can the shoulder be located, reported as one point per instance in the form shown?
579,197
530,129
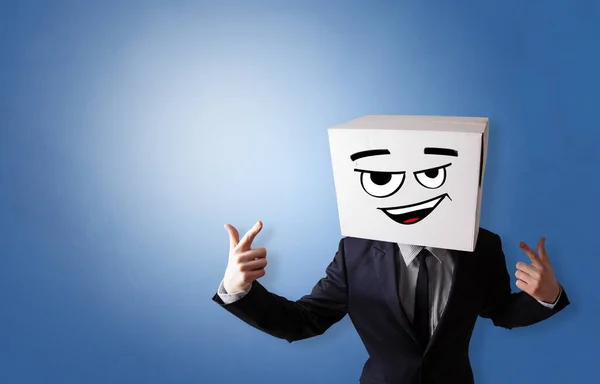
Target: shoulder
488,241
487,235
356,246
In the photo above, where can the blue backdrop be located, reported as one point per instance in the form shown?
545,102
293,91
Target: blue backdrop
132,131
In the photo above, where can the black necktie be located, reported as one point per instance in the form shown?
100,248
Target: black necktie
421,315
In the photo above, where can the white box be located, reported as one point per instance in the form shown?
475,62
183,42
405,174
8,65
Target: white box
410,179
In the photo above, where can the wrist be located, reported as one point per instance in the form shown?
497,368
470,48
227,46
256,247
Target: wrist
235,288
558,292
551,299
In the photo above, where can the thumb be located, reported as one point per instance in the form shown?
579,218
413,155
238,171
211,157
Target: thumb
234,236
541,246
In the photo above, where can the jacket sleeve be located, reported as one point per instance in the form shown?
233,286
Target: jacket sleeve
507,309
309,316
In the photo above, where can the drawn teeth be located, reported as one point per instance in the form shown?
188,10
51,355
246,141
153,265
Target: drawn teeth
427,205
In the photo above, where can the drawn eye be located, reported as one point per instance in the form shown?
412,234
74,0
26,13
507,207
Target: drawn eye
432,178
381,184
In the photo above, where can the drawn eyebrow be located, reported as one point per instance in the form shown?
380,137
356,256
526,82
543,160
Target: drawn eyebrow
441,151
371,152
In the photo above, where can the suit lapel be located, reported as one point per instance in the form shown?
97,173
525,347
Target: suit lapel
461,266
386,267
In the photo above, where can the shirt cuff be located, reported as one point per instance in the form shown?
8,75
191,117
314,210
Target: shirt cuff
551,306
229,298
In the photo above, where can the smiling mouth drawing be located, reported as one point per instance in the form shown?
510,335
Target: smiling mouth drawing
413,213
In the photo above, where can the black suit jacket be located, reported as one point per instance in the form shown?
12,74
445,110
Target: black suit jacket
362,281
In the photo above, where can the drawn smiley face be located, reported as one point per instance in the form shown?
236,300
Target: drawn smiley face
384,184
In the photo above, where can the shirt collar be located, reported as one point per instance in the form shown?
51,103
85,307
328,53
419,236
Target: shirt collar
409,252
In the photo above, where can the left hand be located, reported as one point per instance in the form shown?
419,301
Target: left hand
538,278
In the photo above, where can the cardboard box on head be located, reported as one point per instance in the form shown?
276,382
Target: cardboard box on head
410,179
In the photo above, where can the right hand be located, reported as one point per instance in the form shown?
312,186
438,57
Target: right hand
245,264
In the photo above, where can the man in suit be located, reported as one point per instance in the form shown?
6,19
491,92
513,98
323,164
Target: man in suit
414,306
363,281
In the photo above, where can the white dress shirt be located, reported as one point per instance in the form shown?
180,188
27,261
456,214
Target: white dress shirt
440,268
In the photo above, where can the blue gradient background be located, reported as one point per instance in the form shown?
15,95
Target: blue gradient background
130,133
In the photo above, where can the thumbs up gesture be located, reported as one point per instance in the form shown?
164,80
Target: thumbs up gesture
538,278
245,264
